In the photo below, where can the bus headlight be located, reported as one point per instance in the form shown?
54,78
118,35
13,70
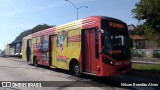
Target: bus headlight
107,61
111,62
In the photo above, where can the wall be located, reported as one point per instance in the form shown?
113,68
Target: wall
145,52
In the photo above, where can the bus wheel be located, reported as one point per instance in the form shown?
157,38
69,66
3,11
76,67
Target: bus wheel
35,62
75,69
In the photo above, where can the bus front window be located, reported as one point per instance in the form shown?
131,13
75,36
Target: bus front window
115,44
117,40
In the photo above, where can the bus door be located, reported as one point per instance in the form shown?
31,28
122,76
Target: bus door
28,50
52,50
44,48
89,57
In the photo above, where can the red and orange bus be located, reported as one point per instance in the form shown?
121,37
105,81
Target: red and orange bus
96,45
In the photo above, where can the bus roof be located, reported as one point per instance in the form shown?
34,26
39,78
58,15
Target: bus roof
72,24
104,17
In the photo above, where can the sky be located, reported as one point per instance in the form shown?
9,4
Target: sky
17,16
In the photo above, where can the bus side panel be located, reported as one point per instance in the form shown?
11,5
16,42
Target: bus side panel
24,46
54,41
36,49
68,44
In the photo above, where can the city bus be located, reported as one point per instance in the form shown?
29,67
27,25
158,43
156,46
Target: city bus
96,45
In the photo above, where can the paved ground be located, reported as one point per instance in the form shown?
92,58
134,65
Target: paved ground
12,69
146,59
145,62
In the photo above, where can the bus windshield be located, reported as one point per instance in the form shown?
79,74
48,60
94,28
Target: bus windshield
115,43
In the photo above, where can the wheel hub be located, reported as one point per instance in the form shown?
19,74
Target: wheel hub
76,69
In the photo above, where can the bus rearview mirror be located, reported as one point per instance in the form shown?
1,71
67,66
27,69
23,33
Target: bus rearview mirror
101,31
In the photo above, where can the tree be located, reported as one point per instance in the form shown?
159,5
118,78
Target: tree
33,30
139,30
148,11
40,27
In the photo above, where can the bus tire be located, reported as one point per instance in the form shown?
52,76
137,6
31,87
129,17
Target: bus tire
75,69
35,62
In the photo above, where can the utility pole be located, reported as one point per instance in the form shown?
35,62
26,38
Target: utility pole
77,8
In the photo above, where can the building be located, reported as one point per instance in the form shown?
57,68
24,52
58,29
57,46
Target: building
141,44
13,49
7,50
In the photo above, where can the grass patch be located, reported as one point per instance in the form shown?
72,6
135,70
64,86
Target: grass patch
154,67
148,71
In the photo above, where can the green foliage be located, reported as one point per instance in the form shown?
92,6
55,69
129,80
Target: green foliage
145,30
139,30
39,28
133,53
33,30
136,54
148,11
155,55
23,34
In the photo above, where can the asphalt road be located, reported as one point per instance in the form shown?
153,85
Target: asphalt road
12,69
